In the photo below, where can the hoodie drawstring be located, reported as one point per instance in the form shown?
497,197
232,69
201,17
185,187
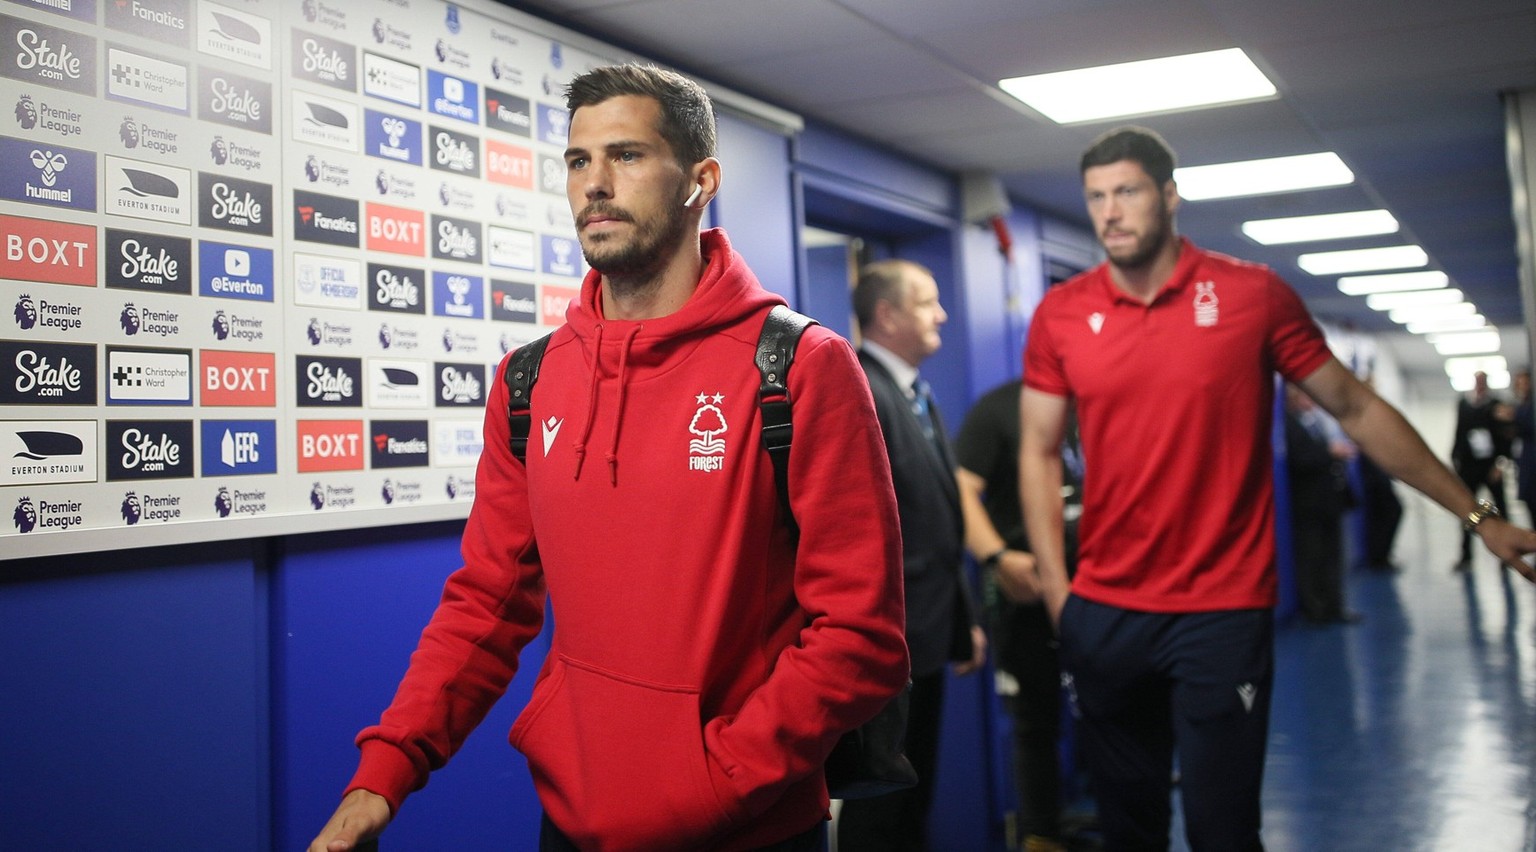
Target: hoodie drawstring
618,415
580,447
586,429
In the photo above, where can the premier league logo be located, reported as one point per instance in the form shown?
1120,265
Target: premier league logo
312,168
317,497
447,340
222,504
26,312
26,113
129,319
220,326
378,30
313,332
130,508
128,132
388,492
219,151
382,182
453,488
386,336
25,516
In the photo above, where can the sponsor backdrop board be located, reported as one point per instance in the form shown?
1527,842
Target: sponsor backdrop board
261,258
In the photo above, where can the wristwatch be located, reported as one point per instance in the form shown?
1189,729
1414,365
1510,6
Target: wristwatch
1483,512
992,560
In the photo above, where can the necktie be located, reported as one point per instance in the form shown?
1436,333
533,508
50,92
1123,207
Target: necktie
921,407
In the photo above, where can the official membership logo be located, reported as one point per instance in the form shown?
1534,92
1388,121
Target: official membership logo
707,451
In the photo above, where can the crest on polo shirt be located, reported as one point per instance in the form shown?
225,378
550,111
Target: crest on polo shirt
1096,321
707,451
1205,304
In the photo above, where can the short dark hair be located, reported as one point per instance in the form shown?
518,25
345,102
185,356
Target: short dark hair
1137,144
687,113
881,281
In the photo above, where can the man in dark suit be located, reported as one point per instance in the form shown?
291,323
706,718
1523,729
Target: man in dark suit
897,305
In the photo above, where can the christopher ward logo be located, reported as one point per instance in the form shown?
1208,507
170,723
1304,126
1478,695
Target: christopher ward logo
323,60
149,262
231,34
324,121
455,239
53,252
47,56
233,204
149,449
48,373
396,288
455,152
326,445
460,385
391,137
144,190
136,78
235,272
239,447
511,248
329,382
235,101
52,175
325,219
162,20
391,80
398,443
37,452
237,378
149,376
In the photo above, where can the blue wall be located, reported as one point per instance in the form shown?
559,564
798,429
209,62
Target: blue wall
206,696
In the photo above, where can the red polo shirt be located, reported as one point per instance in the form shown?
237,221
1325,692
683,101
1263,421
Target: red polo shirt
1174,403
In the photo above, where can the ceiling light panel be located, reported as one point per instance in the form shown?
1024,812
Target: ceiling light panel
1362,260
1423,313
1329,226
1469,343
1396,282
1472,323
1413,299
1262,177
1144,87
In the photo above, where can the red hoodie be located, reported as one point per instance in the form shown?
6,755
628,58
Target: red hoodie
700,669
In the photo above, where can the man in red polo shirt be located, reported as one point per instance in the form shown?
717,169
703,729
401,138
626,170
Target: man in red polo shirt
1169,354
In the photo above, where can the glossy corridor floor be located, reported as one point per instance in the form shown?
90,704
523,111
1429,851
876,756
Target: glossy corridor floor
1416,728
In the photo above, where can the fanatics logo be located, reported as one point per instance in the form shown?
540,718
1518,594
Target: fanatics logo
1096,322
707,451
1205,304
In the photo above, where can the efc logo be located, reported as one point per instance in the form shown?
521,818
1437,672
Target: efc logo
52,252
237,379
239,447
328,445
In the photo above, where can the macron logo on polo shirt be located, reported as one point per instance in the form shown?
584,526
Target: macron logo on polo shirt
1096,321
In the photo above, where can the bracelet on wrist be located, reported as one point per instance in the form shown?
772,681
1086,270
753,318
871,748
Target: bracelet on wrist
1483,512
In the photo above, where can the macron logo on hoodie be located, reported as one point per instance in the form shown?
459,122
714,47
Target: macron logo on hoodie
551,429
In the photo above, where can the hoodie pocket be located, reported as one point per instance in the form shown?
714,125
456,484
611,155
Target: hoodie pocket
619,762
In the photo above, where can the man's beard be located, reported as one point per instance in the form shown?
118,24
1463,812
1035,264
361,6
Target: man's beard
1146,250
635,261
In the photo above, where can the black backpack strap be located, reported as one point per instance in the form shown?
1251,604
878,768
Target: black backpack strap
775,352
522,371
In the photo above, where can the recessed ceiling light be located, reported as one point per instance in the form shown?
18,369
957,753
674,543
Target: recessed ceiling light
1262,177
1396,282
1362,260
1413,299
1421,313
1471,323
1329,226
1142,88
1468,343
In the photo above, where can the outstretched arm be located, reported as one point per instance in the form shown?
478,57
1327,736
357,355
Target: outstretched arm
1388,439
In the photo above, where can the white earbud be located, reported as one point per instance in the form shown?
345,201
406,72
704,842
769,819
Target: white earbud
694,196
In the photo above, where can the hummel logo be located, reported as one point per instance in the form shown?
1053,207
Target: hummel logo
1096,321
1247,692
551,429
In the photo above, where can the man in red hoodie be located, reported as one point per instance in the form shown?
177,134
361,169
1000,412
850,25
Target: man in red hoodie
705,659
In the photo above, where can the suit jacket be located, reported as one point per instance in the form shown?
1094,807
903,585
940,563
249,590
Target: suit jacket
939,609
